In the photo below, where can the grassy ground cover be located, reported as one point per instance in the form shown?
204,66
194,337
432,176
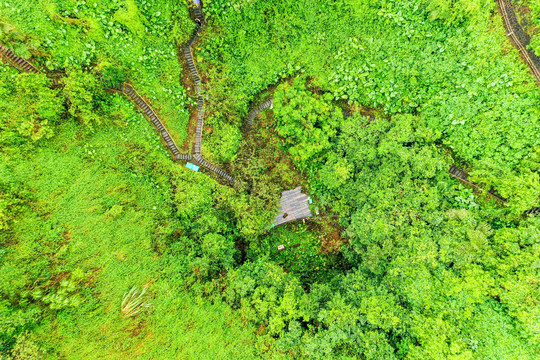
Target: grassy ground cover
403,263
139,39
100,207
449,65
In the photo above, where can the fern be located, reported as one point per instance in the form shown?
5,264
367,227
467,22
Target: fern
133,302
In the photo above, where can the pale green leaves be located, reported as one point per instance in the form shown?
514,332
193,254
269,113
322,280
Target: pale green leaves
134,302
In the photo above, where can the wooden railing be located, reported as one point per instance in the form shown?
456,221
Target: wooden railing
518,37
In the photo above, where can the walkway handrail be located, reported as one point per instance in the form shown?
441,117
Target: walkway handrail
253,113
509,18
17,61
132,94
188,53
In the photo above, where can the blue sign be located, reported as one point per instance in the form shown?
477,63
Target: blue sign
191,166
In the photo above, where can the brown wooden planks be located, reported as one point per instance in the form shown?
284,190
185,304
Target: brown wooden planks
518,37
19,62
125,88
294,205
253,113
130,92
463,177
197,156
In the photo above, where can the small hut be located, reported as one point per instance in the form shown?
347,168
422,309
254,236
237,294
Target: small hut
293,206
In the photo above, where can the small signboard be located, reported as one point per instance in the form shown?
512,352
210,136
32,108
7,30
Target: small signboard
191,166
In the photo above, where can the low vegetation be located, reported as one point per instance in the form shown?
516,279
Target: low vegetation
110,249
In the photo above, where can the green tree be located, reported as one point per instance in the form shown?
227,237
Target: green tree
306,121
31,108
83,94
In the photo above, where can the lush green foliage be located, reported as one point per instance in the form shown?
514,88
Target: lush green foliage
136,39
529,14
401,261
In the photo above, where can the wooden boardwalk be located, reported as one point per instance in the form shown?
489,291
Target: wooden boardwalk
518,37
198,85
293,206
127,89
130,92
520,40
22,64
188,53
253,113
464,178
17,61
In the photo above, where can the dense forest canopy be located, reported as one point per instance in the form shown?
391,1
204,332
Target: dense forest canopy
110,249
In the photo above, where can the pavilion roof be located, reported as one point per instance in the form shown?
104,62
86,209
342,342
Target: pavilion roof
293,206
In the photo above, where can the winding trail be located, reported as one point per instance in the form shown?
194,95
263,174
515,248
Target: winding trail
130,92
519,38
188,53
515,33
22,64
464,178
268,104
17,61
127,89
